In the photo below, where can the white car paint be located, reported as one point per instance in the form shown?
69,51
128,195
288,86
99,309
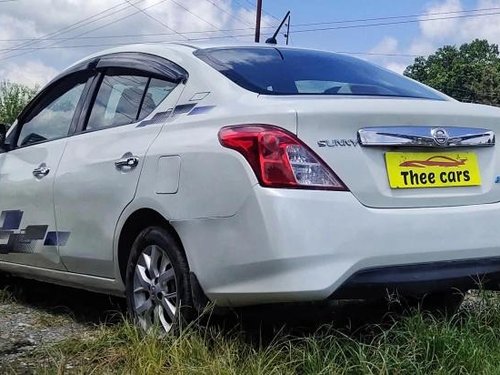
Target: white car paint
34,196
245,243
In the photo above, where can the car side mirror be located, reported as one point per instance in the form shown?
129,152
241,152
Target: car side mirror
3,133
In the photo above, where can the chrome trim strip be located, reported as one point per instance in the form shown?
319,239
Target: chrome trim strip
426,136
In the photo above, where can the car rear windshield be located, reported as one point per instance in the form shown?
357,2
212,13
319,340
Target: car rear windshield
286,71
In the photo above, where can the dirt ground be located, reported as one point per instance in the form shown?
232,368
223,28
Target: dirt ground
35,315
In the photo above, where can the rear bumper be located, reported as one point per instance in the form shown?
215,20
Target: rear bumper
292,246
418,279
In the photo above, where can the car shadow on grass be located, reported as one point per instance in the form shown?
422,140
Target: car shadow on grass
260,323
82,306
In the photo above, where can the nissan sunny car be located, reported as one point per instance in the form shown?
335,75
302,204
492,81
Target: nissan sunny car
178,175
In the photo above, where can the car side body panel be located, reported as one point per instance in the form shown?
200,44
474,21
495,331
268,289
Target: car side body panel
92,192
28,225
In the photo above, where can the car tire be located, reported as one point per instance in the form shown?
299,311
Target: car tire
158,287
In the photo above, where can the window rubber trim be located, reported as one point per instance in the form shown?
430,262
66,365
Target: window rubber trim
152,65
141,103
89,103
81,107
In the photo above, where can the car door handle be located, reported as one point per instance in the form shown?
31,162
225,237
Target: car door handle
41,171
128,161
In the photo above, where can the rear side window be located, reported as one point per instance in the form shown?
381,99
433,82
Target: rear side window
287,71
125,99
157,91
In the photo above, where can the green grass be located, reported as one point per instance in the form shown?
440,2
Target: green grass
6,295
468,343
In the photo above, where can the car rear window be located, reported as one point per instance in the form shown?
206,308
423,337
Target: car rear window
286,71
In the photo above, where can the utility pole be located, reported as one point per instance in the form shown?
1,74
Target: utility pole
258,17
288,28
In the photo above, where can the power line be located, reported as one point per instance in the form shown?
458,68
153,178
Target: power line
263,11
394,23
28,50
217,37
128,43
245,7
397,17
252,10
138,35
224,37
84,22
194,15
154,18
225,11
264,27
305,30
246,35
67,29
210,38
198,17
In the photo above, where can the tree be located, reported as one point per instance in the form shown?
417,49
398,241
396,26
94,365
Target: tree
13,98
470,73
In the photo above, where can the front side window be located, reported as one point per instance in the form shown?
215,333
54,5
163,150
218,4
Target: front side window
125,99
288,71
52,120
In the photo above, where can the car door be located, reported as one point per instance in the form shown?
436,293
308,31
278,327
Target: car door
28,233
100,168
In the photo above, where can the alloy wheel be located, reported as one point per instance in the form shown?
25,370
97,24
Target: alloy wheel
155,300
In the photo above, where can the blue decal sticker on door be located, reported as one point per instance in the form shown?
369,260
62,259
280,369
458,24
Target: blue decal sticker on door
11,219
56,238
16,240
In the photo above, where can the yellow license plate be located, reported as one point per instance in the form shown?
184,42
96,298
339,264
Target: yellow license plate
432,169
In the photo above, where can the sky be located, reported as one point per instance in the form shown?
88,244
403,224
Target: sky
38,39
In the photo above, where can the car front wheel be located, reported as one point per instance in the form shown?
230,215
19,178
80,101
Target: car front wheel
157,281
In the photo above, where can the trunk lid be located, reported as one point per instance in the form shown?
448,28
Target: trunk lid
330,127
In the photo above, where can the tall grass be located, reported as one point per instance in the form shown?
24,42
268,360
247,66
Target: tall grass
468,343
6,295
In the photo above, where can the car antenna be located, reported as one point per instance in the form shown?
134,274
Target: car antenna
272,40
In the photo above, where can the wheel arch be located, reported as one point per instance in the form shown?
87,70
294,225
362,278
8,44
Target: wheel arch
133,225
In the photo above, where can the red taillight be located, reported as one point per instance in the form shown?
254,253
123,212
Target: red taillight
278,158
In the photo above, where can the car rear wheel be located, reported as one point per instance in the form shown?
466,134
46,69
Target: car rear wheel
157,281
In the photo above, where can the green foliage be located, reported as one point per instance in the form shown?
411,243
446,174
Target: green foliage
468,343
470,73
13,98
5,295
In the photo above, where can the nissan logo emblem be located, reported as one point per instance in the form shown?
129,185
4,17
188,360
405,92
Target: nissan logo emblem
440,136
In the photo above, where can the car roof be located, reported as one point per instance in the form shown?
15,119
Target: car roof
189,46
219,44
180,48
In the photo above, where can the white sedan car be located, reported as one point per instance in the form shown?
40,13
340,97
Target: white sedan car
249,174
